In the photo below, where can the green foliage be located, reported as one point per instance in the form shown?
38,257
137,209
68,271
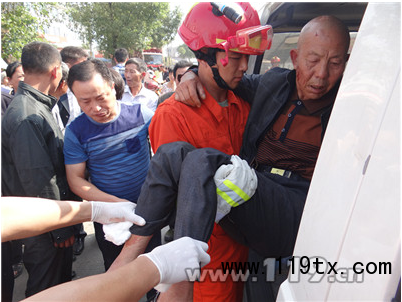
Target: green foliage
20,24
131,25
185,52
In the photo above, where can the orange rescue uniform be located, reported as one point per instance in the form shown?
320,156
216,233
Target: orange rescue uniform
220,128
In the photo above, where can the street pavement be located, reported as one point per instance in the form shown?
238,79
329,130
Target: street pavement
89,263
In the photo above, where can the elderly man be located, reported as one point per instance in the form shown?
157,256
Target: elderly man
33,165
135,91
109,141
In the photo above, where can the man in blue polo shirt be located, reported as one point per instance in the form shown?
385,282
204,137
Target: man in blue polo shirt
109,140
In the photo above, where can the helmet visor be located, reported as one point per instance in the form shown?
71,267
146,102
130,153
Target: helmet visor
253,40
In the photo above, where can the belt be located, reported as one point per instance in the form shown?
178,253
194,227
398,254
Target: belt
273,170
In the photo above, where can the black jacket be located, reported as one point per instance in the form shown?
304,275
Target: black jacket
267,93
32,151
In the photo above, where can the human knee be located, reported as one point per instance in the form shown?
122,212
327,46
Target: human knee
175,147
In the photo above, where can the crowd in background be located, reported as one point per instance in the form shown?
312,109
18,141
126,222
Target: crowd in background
130,77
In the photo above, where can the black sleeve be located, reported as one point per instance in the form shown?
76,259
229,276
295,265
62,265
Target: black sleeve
248,87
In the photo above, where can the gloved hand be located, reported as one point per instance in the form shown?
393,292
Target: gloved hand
118,232
110,212
235,184
177,258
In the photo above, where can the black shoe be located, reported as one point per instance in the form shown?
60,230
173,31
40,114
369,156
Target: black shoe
78,246
169,235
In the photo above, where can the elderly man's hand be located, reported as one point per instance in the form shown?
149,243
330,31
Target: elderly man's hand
190,90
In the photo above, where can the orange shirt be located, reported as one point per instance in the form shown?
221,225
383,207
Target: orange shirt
210,125
216,127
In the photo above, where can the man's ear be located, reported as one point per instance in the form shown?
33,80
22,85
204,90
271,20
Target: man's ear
63,83
293,55
54,72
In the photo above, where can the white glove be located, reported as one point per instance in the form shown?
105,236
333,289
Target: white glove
235,184
176,259
118,232
110,212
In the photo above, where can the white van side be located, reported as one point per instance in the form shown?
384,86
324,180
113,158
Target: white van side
351,220
349,242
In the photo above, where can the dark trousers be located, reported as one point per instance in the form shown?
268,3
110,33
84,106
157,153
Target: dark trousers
46,265
7,275
17,251
257,287
110,251
180,187
79,231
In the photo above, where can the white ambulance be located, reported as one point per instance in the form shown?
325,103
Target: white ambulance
351,225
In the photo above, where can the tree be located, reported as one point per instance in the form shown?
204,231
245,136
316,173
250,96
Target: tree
185,52
131,25
21,24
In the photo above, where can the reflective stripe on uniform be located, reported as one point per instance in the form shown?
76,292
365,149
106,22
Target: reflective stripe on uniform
230,192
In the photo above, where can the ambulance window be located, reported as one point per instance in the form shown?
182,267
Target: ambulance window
279,54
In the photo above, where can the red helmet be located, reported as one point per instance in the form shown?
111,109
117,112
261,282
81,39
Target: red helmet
204,28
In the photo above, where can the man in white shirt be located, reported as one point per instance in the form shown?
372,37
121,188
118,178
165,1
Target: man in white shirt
135,92
71,55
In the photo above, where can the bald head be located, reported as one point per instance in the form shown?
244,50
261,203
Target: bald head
326,27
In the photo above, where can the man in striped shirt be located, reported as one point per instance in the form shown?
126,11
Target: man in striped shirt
109,140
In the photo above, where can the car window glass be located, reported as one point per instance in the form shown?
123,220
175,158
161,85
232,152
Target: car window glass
282,43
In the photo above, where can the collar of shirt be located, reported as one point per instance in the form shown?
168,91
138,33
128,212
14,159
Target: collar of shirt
316,106
216,109
127,90
46,99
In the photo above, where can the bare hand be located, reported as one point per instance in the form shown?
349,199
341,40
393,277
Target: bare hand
190,90
69,242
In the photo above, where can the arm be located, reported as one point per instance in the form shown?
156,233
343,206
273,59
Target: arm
165,265
83,188
190,90
248,87
29,216
128,283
